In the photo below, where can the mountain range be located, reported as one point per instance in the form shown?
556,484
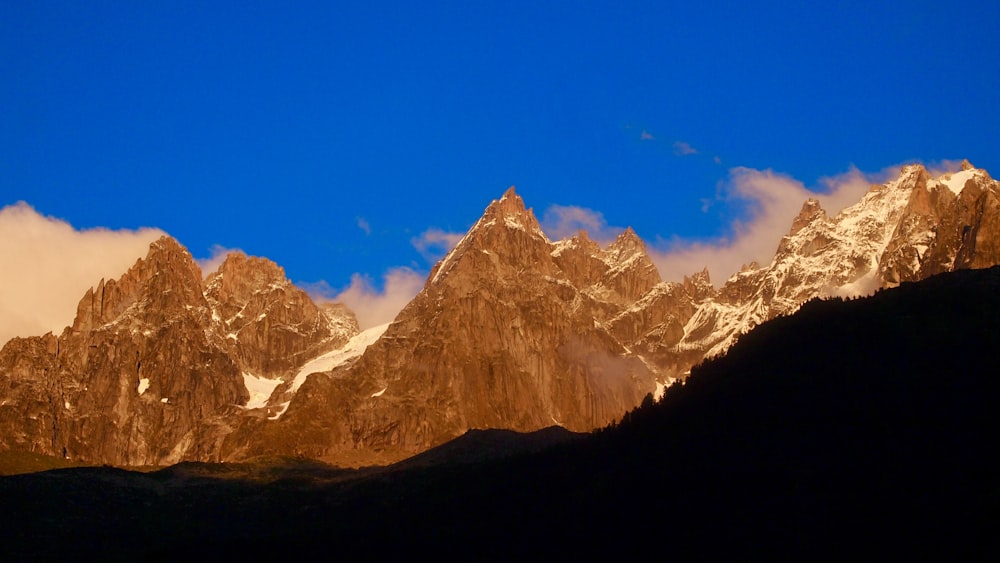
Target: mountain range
861,426
511,331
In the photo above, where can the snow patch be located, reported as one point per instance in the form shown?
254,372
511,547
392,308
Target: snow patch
379,394
143,385
861,287
260,389
281,410
955,182
354,348
165,400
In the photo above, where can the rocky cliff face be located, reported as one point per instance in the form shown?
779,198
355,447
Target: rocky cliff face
511,330
146,373
505,334
269,326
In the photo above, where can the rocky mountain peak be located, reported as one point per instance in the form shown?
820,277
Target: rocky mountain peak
966,165
583,240
267,324
240,275
166,281
511,213
698,285
911,176
626,245
811,210
631,273
507,232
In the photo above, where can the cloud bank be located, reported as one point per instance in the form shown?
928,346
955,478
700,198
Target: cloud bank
770,200
48,265
371,305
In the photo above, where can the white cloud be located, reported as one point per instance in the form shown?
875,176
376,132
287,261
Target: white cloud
561,221
646,136
364,226
434,243
683,149
217,255
936,169
372,306
48,265
771,201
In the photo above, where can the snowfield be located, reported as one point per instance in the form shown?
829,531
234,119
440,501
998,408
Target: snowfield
260,389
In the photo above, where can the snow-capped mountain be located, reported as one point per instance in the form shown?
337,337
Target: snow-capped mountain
511,330
906,230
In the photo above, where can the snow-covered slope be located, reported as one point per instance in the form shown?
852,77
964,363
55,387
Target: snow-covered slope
904,230
335,358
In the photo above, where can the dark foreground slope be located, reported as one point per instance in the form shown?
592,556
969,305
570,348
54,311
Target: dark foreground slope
852,429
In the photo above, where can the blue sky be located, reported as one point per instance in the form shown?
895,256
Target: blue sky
328,136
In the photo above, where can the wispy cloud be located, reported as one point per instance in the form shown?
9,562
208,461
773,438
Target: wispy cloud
683,149
434,243
372,306
770,201
561,221
942,167
364,226
646,136
48,265
217,255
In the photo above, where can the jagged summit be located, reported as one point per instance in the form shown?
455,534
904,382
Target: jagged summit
155,288
905,230
510,195
626,244
510,212
236,264
156,365
811,209
270,326
507,228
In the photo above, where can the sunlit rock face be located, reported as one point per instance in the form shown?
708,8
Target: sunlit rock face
269,326
511,330
146,374
132,378
508,332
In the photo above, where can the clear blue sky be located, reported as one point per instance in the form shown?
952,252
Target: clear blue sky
279,127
